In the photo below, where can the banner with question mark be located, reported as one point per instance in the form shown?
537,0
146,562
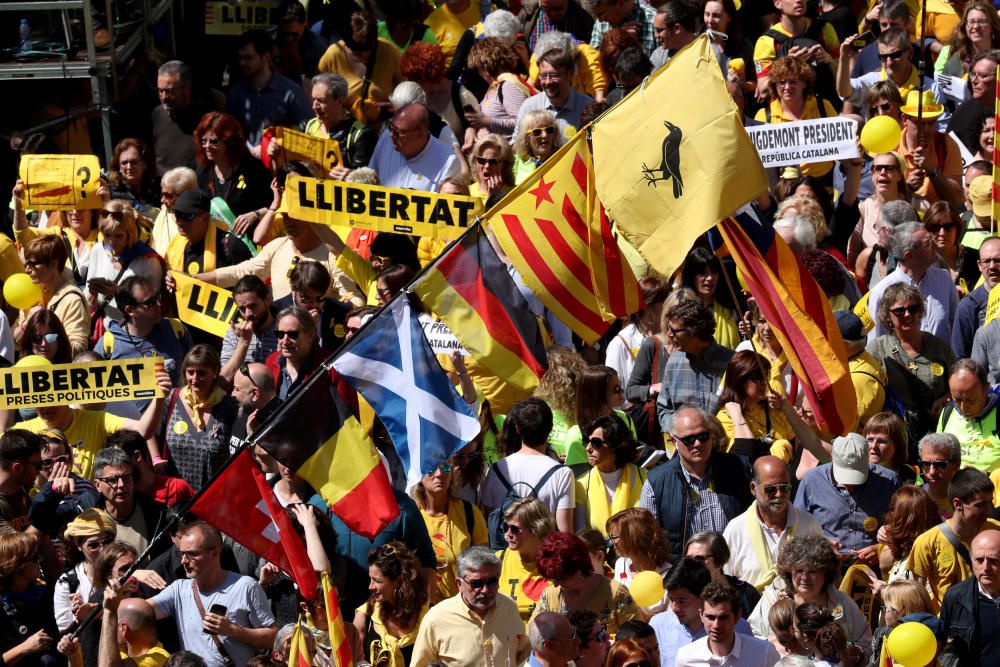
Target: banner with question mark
295,145
60,182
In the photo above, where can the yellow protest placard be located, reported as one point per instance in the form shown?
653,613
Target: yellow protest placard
295,145
382,209
95,382
60,182
231,18
861,310
993,305
205,306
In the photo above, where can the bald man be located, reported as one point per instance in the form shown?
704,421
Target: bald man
969,612
756,536
252,390
128,631
409,157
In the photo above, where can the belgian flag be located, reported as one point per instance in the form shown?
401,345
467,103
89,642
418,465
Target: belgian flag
320,439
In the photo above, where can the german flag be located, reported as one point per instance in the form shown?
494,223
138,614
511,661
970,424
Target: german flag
340,649
554,230
320,439
298,650
800,316
469,288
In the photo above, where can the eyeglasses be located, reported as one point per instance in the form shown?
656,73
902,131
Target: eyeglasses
772,489
895,55
550,76
511,528
597,443
193,554
34,263
988,261
210,141
913,309
476,584
934,229
977,22
98,544
983,75
701,558
115,480
150,302
49,338
396,131
445,468
384,260
186,216
47,464
245,370
601,635
293,334
756,377
491,161
884,107
676,332
689,440
937,465
614,539
890,168
787,83
537,132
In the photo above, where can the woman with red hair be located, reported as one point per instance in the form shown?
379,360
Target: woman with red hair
563,560
423,64
227,170
629,653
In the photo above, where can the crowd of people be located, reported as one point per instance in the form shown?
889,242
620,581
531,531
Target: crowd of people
680,444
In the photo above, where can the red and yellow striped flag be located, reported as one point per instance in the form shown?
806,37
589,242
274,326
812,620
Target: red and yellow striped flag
298,651
555,232
340,649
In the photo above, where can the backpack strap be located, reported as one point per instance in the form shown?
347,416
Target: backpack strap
548,473
470,519
177,327
503,480
226,660
956,543
946,411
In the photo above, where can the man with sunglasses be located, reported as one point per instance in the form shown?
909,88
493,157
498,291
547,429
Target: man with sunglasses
594,639
408,156
202,244
554,640
478,626
756,536
699,489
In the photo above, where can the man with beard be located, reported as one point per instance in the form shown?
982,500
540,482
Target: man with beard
756,536
555,73
252,338
477,611
253,387
176,117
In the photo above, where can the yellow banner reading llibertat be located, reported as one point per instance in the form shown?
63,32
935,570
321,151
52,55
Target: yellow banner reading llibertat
230,18
60,182
205,306
294,145
95,382
412,212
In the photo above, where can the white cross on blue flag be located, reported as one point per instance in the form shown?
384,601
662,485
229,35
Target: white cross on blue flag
392,365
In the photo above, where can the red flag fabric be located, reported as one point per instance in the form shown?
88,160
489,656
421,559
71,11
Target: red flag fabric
251,515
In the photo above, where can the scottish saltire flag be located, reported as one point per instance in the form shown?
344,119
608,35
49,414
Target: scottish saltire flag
391,364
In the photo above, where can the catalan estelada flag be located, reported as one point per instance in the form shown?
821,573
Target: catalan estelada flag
340,649
555,233
298,650
800,316
469,288
320,439
672,159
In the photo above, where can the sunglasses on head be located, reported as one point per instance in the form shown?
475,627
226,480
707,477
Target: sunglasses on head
539,131
245,370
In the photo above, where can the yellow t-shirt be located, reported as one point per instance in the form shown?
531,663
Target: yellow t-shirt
933,558
869,381
448,26
154,657
727,334
450,536
521,581
86,435
764,52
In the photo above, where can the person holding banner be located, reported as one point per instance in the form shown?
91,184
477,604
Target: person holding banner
45,262
121,255
76,228
201,244
356,140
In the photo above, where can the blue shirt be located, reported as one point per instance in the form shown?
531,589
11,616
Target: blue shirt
940,301
567,116
671,634
845,517
280,102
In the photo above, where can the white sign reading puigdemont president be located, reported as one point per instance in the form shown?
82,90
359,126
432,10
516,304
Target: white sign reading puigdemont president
805,141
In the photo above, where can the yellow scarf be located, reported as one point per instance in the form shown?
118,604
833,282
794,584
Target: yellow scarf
175,251
760,550
626,495
197,406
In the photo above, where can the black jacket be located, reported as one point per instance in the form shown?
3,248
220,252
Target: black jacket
960,616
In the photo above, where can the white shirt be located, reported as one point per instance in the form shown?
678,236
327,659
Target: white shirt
743,563
747,652
424,171
523,471
621,352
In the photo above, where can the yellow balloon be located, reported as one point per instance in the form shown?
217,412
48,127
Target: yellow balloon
33,360
881,135
20,292
646,588
912,644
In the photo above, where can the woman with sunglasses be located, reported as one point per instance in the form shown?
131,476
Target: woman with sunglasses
453,524
121,255
84,539
527,522
45,337
916,362
173,183
641,546
388,621
945,227
492,168
752,413
537,139
868,246
614,481
195,430
45,263
563,560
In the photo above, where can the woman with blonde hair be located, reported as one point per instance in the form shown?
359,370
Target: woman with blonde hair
641,546
527,522
558,388
899,599
30,631
83,539
537,138
453,525
492,168
121,255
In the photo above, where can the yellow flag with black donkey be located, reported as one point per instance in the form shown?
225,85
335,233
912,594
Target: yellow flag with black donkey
672,159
